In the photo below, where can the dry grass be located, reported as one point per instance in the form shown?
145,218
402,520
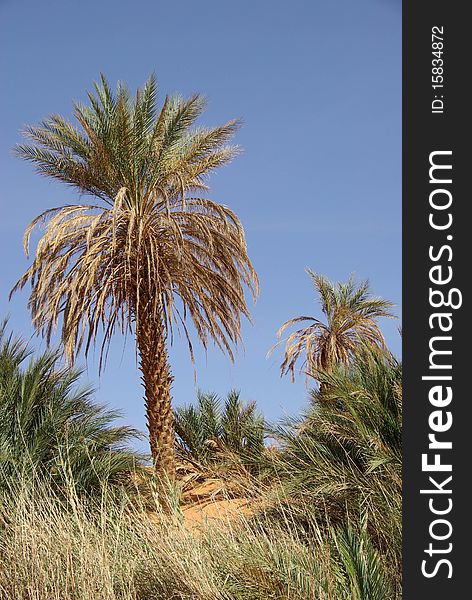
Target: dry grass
52,550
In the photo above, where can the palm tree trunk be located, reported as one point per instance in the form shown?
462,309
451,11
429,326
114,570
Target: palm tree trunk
157,379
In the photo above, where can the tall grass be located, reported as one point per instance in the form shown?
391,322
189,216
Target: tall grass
71,551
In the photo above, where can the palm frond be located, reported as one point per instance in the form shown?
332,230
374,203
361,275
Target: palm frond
213,429
51,428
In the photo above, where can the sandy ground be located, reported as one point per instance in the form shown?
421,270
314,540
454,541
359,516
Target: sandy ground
209,502
206,504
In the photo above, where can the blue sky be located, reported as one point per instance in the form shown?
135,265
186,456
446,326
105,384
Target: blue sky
318,86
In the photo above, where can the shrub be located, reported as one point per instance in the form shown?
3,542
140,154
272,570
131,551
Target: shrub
50,427
341,463
213,431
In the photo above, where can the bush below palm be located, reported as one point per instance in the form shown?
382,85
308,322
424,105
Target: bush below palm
341,464
50,428
212,430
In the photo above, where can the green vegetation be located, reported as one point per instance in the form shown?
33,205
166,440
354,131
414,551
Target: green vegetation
325,504
212,431
50,429
342,462
224,515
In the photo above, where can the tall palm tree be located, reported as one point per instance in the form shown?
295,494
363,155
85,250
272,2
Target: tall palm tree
351,320
150,251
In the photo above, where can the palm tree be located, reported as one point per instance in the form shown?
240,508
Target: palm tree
351,315
50,428
151,251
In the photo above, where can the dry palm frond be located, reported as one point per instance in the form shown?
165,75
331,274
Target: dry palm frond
92,264
351,321
147,237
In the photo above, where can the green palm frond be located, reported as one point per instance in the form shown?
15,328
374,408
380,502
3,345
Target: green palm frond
363,566
345,454
212,429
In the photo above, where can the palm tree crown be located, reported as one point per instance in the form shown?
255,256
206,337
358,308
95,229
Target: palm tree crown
351,320
151,250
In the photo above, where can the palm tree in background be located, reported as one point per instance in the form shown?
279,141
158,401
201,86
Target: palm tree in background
351,320
150,252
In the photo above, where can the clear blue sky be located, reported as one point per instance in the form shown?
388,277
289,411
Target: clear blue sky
318,86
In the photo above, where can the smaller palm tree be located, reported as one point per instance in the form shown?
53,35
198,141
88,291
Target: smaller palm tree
212,429
50,428
351,320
